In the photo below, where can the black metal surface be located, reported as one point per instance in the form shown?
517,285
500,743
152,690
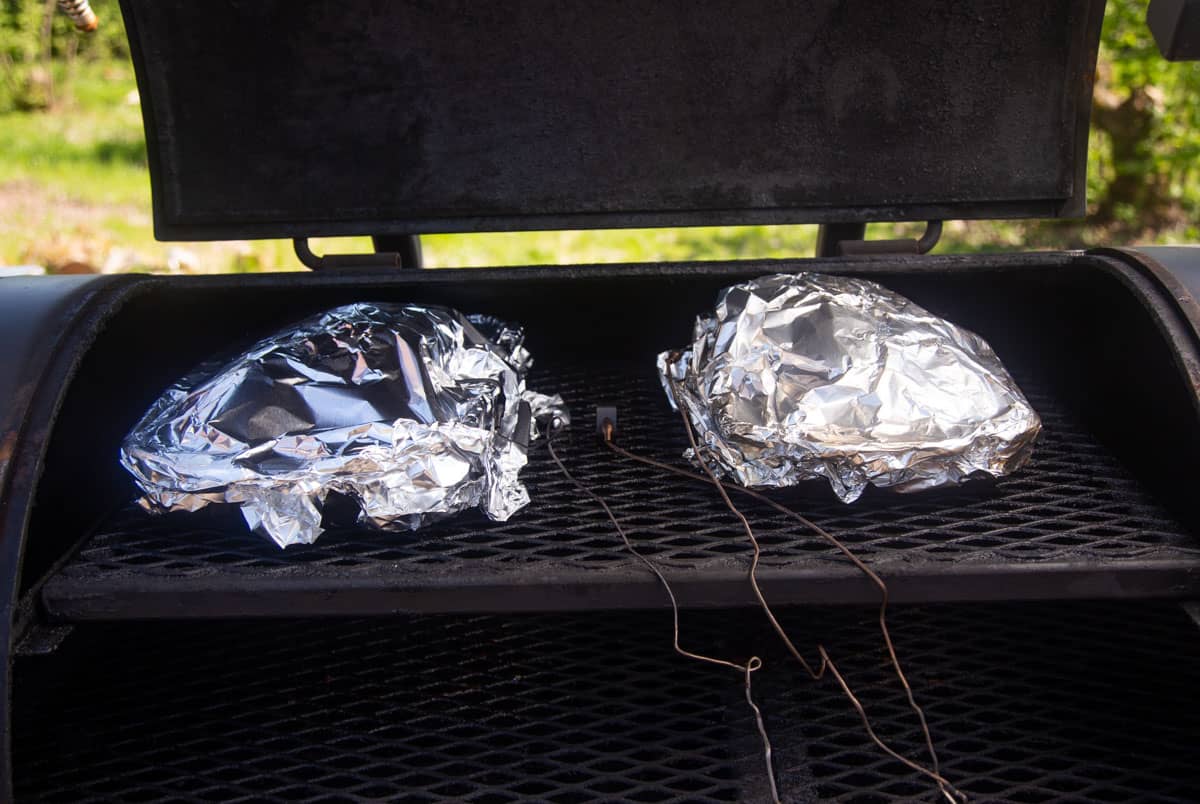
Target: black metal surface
45,324
1045,703
831,235
402,118
1178,268
402,251
407,246
1176,28
1074,523
923,245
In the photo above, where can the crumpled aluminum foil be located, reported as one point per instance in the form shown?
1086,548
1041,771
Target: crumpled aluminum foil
411,411
801,376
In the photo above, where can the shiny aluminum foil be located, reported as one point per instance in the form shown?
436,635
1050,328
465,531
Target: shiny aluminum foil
411,411
801,376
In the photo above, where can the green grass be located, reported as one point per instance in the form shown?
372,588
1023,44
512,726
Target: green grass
92,150
622,245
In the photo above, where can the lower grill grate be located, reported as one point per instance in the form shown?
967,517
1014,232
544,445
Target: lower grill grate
1075,509
1027,703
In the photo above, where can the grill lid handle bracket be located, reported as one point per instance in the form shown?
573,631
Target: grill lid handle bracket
848,240
403,251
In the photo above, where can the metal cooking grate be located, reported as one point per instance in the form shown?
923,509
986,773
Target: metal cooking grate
1028,703
1075,509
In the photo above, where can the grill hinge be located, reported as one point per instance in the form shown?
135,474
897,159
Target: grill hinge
849,239
391,251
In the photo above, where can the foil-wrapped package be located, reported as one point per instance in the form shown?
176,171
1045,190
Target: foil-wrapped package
411,411
801,376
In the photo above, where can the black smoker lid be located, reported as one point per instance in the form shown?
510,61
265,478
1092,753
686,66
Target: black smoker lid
267,118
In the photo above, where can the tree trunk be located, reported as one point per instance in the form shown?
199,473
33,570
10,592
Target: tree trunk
47,49
1137,182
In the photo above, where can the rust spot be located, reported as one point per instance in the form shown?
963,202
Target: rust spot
6,446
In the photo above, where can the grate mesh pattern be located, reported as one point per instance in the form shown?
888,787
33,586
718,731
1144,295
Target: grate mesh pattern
1075,504
1029,703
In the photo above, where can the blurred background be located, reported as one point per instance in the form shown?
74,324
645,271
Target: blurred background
75,192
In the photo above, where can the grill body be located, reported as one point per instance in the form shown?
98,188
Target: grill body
530,659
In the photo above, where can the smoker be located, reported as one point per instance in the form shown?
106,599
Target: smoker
1043,617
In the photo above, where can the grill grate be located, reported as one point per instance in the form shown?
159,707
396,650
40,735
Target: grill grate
1028,703
1075,508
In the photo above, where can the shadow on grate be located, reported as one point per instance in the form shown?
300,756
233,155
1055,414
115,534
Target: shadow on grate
1029,703
1075,507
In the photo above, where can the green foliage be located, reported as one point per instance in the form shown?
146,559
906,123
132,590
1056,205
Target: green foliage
1148,123
21,45
39,48
1133,60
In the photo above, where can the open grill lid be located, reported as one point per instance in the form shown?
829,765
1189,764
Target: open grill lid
274,119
